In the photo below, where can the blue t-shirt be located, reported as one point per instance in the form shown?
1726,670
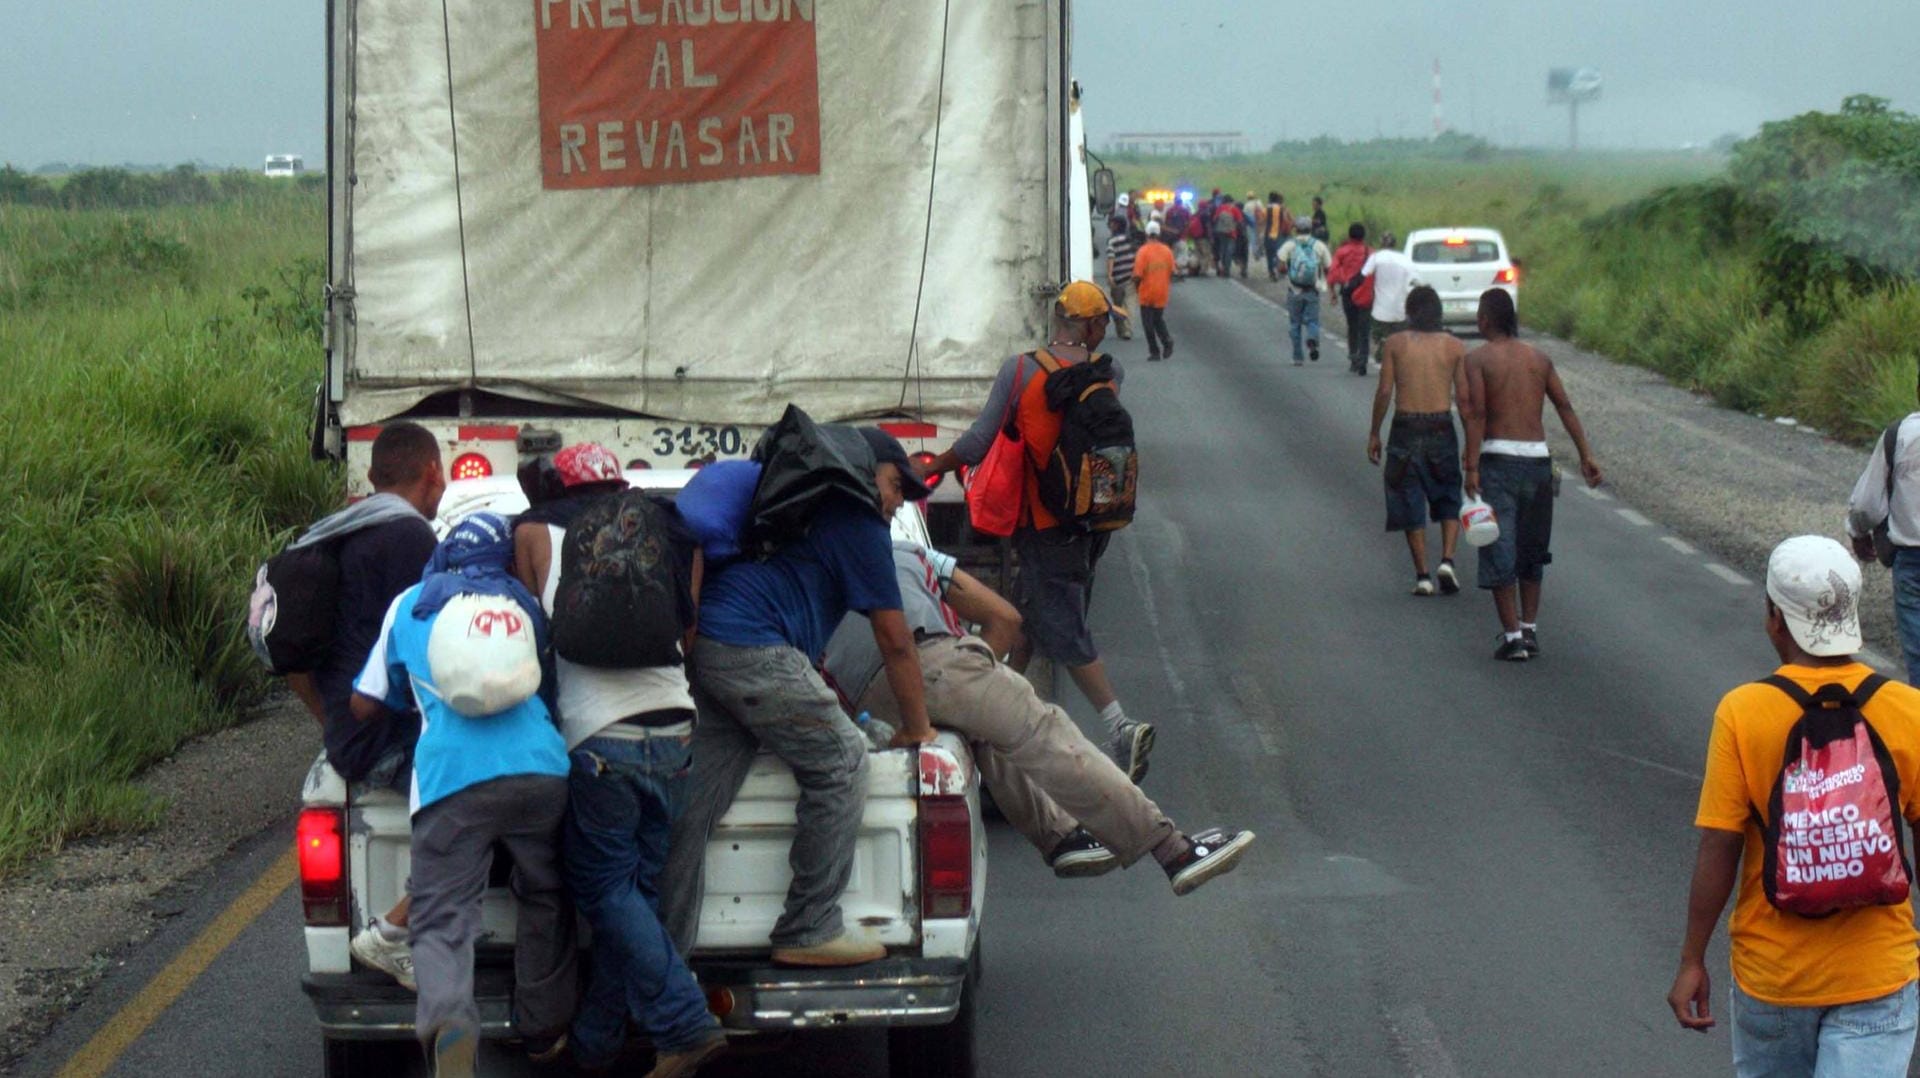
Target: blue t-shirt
455,751
797,596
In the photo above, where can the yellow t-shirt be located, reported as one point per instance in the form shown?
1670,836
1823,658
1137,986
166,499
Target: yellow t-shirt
1783,958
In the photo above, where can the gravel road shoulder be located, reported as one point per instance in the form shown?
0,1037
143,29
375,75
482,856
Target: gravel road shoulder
68,921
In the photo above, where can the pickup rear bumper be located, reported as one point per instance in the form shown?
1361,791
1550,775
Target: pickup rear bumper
756,996
891,992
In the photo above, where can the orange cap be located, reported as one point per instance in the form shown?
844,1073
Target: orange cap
1084,299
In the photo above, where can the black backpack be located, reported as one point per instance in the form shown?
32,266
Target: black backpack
291,613
802,464
623,600
1091,479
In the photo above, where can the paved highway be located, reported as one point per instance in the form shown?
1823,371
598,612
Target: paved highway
1465,868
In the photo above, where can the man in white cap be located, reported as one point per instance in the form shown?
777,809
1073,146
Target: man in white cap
1811,777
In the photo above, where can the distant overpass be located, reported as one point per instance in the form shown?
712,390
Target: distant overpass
1179,143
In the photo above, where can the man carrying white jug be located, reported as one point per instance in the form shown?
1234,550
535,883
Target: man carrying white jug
1508,385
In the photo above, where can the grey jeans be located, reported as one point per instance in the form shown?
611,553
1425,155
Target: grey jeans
1044,773
453,841
769,696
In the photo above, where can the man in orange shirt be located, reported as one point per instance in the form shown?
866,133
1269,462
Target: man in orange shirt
1055,582
1829,991
1153,269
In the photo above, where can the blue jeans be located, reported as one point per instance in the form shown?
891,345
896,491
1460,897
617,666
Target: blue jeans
624,796
1870,1039
1303,313
1520,492
1906,606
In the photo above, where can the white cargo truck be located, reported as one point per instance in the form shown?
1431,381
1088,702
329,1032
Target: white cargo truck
654,223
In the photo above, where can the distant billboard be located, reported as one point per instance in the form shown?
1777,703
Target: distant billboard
1572,84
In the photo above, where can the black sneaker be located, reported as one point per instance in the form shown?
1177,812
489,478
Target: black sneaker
1169,349
1449,583
1313,350
1210,853
1532,641
1153,357
1511,651
1080,855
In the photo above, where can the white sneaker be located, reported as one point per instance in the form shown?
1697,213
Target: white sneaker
1423,586
391,957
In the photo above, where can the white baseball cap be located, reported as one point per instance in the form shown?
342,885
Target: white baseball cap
1815,583
1153,228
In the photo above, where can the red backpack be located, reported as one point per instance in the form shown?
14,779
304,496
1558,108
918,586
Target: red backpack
1832,835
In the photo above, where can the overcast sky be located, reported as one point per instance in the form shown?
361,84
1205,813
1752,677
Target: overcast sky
230,81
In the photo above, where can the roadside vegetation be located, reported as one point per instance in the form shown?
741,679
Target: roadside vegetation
160,365
1780,279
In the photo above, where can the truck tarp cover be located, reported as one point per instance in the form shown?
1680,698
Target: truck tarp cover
717,294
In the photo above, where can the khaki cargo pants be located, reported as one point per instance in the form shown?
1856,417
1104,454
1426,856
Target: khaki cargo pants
1044,773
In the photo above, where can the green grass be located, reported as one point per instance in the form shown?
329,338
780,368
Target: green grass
159,369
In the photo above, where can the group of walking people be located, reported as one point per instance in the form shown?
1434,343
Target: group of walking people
604,783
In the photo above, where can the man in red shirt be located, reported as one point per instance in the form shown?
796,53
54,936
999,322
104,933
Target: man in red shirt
1345,280
1153,269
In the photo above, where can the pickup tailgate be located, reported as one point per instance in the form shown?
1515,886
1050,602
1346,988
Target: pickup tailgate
747,871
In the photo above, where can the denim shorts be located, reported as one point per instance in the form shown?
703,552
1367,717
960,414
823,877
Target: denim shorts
1520,492
1422,471
1869,1039
1054,588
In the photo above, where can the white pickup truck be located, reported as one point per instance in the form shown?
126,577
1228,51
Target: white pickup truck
918,884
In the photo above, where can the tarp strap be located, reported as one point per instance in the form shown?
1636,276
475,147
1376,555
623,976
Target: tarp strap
914,374
459,206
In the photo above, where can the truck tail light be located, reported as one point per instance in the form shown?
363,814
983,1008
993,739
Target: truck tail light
470,466
946,857
321,841
925,460
1508,275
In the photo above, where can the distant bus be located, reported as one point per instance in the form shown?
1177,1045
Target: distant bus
283,164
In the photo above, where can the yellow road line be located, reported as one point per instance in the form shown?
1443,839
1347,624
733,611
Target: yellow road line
99,1055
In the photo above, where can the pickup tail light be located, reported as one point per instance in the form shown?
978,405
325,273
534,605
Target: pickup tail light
946,857
321,843
1507,276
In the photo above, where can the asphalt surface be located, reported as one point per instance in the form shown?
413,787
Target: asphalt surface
1464,868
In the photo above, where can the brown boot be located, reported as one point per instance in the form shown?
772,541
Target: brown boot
841,950
681,1064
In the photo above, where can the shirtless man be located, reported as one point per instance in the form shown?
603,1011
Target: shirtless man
1421,374
1507,463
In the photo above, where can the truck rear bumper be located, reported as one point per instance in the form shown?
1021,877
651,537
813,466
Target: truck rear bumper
368,1006
891,992
756,997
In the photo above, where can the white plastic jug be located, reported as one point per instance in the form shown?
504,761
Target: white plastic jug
482,654
1478,521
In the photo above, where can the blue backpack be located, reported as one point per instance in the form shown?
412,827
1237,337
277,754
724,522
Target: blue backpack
716,503
1303,269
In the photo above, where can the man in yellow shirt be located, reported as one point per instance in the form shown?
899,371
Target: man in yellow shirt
1812,995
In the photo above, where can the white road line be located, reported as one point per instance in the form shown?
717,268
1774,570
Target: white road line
1643,762
1726,574
1419,1043
1634,518
1596,494
1678,543
1143,581
1259,711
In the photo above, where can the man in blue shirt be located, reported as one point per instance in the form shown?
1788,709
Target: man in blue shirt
763,629
478,781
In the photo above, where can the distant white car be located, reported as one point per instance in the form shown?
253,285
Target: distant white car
1462,264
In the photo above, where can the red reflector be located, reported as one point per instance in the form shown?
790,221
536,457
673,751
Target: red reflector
320,839
470,466
925,460
946,857
720,1002
911,430
636,464
697,463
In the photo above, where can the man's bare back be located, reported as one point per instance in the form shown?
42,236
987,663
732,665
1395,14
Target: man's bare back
1512,379
1424,369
